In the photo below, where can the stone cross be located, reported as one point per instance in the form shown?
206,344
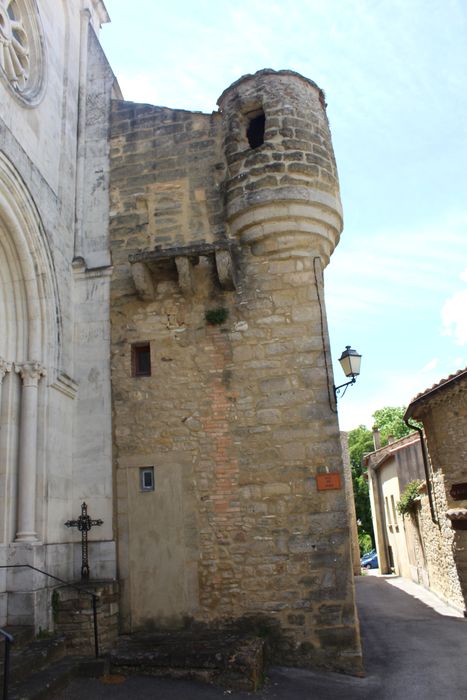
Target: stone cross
84,524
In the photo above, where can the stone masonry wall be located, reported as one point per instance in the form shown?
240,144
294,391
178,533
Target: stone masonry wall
444,419
73,613
437,541
237,419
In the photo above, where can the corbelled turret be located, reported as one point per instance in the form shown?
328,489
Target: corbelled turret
282,189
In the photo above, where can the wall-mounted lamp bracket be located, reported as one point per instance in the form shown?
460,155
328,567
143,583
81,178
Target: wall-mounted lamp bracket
337,389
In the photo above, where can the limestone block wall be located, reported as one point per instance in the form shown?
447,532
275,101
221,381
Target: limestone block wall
444,419
437,545
73,616
430,546
236,419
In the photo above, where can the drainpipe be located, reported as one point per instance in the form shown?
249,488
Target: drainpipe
425,467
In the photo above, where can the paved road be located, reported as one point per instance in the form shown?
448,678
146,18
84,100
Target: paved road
412,652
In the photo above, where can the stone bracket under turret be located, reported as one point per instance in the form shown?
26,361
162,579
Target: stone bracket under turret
147,265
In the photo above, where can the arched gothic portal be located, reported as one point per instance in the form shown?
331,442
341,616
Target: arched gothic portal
28,349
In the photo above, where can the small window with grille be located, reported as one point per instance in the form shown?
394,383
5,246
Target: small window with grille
146,479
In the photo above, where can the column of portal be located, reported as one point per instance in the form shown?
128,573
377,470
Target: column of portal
30,373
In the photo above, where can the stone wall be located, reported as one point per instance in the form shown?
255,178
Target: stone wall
436,546
74,616
236,419
444,416
351,504
429,548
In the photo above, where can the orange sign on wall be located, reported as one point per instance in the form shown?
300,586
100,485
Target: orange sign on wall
327,482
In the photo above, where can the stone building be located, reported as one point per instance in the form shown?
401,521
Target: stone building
224,415
442,409
229,504
55,431
427,545
418,546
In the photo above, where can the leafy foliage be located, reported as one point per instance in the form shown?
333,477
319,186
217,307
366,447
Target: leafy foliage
365,543
390,421
216,317
409,498
361,441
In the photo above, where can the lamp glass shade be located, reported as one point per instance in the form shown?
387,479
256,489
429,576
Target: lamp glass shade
350,362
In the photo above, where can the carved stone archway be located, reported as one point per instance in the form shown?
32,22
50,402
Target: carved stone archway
29,344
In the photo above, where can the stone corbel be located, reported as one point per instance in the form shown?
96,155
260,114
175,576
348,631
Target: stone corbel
143,281
145,264
225,269
185,275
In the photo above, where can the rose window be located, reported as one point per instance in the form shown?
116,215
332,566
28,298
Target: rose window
20,47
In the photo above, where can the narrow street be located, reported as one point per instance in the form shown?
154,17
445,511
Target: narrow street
411,652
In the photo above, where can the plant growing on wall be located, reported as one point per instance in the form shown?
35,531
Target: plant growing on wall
216,317
410,497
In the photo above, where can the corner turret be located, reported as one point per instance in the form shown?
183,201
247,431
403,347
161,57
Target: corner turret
282,190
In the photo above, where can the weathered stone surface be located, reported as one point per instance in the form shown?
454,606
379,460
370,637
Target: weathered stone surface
55,413
235,418
222,657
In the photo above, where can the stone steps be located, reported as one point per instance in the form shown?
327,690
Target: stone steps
26,658
40,667
46,681
224,659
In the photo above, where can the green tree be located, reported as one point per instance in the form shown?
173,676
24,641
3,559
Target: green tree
390,421
361,441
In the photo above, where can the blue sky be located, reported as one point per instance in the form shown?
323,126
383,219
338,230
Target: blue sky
395,77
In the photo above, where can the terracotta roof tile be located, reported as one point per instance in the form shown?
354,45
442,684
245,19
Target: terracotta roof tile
436,387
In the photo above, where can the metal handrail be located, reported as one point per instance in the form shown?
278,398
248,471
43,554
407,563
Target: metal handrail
69,585
6,662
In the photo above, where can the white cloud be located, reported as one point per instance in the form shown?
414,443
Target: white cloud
454,317
432,364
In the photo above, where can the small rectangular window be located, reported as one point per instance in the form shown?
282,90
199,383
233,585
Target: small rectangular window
141,360
393,506
255,130
388,512
146,479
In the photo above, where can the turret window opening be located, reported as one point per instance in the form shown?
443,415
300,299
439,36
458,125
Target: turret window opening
255,129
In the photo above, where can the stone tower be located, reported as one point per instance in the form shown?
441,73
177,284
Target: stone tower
229,415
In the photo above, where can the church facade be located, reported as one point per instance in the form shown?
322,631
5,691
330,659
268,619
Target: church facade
164,353
55,434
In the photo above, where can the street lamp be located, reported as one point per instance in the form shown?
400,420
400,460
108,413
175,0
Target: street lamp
350,363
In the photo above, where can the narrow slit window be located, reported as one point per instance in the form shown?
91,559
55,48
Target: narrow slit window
255,130
388,512
141,360
146,479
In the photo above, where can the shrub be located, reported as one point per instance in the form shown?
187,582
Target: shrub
216,317
365,543
410,498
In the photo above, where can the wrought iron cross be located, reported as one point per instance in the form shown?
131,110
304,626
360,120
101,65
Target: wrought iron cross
84,524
